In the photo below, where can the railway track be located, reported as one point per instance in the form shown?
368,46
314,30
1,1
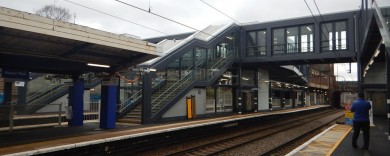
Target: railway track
226,143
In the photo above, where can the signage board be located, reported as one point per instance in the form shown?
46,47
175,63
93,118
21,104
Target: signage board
348,115
6,73
19,84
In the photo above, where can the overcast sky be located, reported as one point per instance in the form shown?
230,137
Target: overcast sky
193,13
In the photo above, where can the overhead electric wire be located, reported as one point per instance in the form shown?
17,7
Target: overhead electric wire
322,18
315,20
115,17
166,18
220,11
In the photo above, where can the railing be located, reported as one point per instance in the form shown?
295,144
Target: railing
137,96
173,88
52,115
185,80
134,98
32,106
218,65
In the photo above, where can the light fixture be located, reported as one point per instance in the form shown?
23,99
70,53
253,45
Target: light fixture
244,78
152,69
308,28
229,37
368,67
98,65
376,53
288,32
225,75
371,62
266,81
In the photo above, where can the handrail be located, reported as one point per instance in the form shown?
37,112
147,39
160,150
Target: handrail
135,97
188,69
186,79
220,63
181,81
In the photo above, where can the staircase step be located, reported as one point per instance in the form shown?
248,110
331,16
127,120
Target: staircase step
132,117
134,113
137,121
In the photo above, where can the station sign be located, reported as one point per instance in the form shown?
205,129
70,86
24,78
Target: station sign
14,74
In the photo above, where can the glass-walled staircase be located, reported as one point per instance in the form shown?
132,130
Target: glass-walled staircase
197,60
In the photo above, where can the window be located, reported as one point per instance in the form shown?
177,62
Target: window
292,40
256,43
278,41
341,35
327,37
200,63
334,36
307,43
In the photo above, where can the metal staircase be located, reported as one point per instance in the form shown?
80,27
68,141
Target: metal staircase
40,99
175,90
201,71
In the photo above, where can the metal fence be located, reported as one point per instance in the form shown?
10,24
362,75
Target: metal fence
14,116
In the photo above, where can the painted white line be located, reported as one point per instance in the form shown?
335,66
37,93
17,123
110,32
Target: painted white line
308,142
123,137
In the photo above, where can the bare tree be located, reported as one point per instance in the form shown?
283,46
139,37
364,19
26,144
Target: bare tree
55,12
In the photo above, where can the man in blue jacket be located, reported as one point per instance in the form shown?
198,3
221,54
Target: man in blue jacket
360,109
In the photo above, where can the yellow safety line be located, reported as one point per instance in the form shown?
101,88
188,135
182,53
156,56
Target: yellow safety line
338,142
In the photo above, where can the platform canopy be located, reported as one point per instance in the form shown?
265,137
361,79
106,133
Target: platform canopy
37,44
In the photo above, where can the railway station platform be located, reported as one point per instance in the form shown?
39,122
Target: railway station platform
46,140
336,141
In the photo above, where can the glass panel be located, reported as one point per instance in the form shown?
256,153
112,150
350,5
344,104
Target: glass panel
224,99
210,61
292,40
326,37
251,39
187,63
341,35
200,63
210,100
307,38
278,44
256,43
247,77
262,42
173,71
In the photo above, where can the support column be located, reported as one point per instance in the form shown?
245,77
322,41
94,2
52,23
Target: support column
7,93
293,97
283,97
270,95
108,106
22,98
388,90
304,97
146,99
5,111
76,94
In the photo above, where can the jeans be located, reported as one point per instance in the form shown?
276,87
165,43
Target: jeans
365,127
